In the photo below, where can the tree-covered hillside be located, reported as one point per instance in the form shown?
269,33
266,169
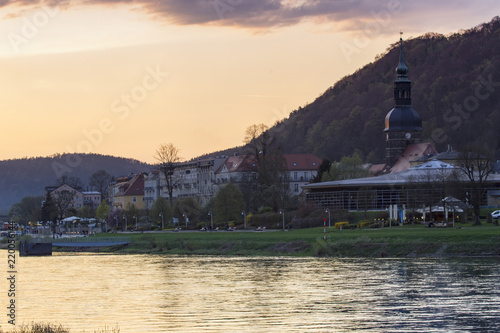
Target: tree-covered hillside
456,90
29,176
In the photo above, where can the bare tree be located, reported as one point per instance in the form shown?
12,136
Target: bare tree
274,188
74,182
476,164
100,182
259,139
63,200
168,157
422,190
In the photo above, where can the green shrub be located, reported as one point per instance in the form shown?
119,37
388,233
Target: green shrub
307,222
364,223
270,220
265,210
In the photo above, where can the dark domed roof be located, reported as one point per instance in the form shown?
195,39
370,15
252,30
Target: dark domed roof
403,119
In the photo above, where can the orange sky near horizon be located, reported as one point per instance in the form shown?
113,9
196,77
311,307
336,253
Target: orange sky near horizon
121,80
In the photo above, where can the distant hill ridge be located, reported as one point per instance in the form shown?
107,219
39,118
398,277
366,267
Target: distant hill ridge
28,176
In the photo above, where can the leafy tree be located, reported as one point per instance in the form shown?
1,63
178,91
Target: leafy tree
49,209
130,214
315,138
85,212
100,181
167,156
228,204
161,206
324,167
28,209
349,167
190,208
102,211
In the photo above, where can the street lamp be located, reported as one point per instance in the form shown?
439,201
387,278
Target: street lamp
186,219
135,217
244,218
282,212
161,214
328,211
124,223
211,221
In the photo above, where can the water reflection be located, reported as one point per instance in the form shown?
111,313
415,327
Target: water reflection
143,293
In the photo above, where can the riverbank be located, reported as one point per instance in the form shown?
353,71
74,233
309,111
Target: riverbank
395,242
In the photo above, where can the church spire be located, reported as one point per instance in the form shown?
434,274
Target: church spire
402,85
403,125
402,69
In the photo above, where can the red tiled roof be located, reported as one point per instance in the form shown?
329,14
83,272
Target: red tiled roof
133,187
413,153
302,161
240,163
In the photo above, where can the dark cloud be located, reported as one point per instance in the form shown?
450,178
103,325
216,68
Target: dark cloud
353,14
253,13
244,13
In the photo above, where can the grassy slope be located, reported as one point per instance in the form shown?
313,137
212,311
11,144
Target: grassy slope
387,242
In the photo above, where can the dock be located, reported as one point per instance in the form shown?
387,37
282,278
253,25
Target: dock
43,246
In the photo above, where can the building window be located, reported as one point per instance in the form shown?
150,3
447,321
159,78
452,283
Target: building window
295,175
306,176
296,187
134,199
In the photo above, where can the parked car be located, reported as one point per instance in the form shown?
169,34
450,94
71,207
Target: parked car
495,214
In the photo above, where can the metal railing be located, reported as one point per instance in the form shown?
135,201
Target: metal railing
80,240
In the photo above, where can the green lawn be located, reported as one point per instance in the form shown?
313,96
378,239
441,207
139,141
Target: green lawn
386,242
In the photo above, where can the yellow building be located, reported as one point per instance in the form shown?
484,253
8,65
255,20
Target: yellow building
131,192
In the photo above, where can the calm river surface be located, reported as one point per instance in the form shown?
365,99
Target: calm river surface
141,293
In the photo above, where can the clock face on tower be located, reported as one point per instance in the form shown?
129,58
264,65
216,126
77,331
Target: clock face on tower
408,135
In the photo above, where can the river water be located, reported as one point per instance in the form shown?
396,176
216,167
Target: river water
142,293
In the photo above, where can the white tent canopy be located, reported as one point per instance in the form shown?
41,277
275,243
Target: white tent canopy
71,219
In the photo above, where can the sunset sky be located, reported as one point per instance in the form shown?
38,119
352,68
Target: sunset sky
121,77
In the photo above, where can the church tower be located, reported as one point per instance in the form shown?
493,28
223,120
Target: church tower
403,125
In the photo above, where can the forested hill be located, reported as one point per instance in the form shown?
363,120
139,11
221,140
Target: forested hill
456,90
29,176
